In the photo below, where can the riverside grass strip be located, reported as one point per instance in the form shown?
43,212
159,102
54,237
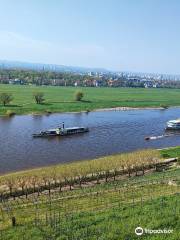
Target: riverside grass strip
171,152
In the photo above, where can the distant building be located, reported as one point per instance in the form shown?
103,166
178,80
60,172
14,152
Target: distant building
148,84
16,81
96,83
113,83
90,74
134,80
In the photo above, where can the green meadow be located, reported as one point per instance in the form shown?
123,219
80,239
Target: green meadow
61,99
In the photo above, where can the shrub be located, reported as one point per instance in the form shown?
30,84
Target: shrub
79,95
10,113
39,97
164,106
48,112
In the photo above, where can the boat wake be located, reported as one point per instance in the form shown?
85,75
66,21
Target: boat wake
161,136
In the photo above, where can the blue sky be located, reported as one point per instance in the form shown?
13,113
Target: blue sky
124,35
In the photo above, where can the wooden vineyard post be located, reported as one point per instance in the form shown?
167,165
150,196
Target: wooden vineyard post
13,219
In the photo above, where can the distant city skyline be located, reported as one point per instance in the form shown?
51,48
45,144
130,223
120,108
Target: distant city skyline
8,64
119,35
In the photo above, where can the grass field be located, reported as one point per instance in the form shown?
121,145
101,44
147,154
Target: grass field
61,99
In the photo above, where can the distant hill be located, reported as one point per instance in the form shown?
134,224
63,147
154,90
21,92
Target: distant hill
47,67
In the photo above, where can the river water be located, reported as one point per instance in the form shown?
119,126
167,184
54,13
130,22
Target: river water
110,132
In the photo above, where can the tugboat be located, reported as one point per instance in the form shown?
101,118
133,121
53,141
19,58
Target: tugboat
61,131
173,125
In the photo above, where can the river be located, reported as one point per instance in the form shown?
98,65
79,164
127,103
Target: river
110,132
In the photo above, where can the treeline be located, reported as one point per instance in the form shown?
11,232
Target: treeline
19,76
46,78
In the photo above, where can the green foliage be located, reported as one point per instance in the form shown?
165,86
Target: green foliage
6,98
39,97
42,77
79,95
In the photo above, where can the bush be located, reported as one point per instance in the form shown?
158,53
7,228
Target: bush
39,97
5,98
48,112
10,113
79,95
164,106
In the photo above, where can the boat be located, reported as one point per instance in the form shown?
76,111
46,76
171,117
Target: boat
173,125
61,131
155,137
48,133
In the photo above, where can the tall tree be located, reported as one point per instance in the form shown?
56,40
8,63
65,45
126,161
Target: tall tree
6,98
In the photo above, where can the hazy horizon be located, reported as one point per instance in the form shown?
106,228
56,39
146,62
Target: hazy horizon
131,36
87,67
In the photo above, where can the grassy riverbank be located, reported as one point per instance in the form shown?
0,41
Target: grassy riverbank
61,99
171,152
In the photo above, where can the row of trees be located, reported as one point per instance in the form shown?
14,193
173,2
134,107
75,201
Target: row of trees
77,173
6,98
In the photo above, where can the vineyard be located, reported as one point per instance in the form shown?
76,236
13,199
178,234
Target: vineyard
68,175
109,210
108,203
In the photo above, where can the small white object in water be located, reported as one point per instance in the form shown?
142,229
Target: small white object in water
157,137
